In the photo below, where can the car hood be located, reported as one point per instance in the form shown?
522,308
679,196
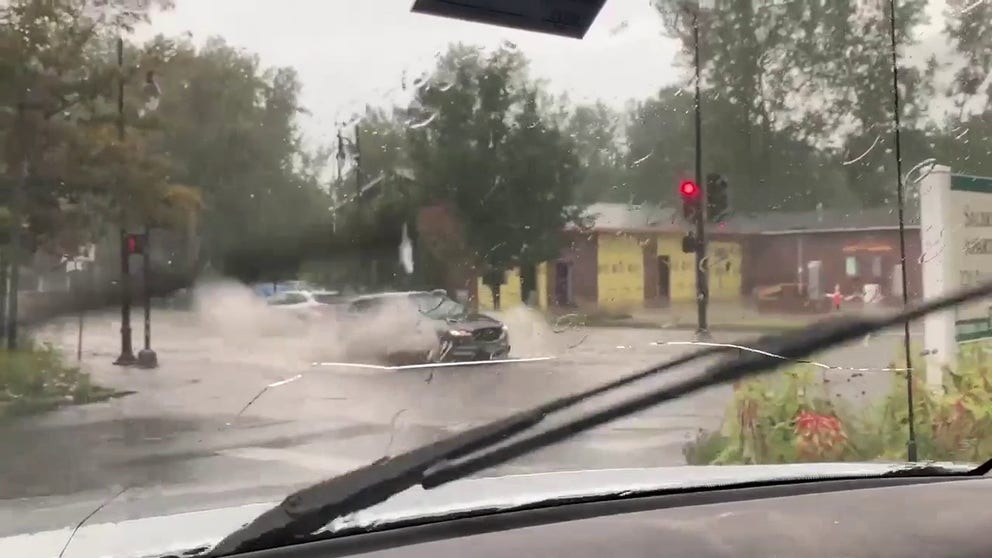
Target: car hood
183,532
474,321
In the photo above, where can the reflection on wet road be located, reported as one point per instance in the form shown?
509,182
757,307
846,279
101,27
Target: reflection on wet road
188,430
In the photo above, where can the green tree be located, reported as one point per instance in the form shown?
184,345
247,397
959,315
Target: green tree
799,77
230,129
481,144
61,54
596,132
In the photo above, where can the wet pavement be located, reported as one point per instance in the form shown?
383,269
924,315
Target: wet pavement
186,433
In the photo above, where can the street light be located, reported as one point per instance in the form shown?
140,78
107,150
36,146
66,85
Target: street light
147,358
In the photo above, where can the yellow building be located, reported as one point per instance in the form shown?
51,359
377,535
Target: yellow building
630,258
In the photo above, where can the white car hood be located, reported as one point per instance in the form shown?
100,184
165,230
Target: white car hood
176,533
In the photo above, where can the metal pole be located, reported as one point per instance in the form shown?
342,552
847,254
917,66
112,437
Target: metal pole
4,292
146,356
146,274
911,448
82,275
358,165
702,268
126,357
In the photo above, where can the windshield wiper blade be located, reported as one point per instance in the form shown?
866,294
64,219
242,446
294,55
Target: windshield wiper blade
312,508
791,345
307,510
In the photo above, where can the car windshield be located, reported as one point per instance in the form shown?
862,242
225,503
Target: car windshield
439,307
246,245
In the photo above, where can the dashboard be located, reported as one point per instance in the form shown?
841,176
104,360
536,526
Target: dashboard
935,517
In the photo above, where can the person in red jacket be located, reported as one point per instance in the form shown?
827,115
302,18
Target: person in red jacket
836,297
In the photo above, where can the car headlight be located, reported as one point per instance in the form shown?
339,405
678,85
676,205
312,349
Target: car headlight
459,333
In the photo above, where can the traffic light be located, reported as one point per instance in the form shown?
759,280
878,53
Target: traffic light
717,197
134,243
688,244
691,195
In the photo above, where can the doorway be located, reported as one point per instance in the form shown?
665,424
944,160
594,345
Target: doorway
563,284
664,279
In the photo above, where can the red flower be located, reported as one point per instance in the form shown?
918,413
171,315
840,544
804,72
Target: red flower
819,436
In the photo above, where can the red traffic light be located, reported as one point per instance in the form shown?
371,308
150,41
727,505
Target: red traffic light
134,244
688,189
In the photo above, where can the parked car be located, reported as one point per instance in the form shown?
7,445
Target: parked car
420,327
306,304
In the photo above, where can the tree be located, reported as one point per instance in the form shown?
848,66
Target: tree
803,78
481,144
61,53
596,132
230,129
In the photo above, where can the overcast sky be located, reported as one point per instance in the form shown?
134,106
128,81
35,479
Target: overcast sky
352,52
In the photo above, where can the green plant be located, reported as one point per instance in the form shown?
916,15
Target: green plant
789,416
35,378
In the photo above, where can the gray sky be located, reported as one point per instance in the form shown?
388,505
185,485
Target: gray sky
352,52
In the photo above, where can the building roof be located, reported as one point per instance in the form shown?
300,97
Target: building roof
644,218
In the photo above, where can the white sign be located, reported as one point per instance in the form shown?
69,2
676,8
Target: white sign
956,237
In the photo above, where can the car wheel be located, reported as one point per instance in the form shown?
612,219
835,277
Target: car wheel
499,355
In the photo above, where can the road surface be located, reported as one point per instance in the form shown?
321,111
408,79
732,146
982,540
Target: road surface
205,422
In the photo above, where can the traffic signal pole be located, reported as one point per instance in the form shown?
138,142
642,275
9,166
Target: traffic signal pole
702,268
147,358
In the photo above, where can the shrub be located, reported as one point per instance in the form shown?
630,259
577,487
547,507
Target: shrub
789,416
35,377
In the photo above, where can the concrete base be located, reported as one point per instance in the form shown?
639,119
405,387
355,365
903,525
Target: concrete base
147,359
125,360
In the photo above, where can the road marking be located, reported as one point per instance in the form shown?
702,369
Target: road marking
313,461
432,365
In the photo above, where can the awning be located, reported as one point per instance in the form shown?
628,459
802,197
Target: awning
867,247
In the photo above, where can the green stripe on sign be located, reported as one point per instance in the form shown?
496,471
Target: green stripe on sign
967,183
970,330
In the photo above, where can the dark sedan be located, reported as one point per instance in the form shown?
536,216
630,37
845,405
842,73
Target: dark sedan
421,326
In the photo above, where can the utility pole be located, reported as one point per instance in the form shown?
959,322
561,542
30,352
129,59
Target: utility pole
702,267
338,183
358,166
126,357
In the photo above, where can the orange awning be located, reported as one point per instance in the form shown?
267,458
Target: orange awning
866,247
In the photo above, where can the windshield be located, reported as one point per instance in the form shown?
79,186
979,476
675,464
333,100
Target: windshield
223,224
439,307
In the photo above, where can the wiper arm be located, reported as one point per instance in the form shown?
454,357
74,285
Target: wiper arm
313,507
310,509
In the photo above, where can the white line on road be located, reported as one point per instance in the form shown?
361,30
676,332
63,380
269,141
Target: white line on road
432,365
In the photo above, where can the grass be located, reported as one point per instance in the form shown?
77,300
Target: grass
35,379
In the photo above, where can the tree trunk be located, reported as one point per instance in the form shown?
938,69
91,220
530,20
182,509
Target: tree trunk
494,289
